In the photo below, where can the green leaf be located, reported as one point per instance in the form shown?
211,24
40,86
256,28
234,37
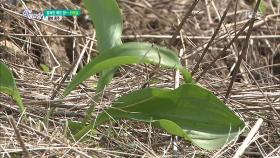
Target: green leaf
45,68
129,53
187,75
262,7
189,111
172,128
107,21
105,79
75,127
8,85
108,24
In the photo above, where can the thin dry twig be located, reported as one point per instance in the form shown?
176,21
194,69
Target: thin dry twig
223,51
244,50
248,139
212,39
188,14
19,138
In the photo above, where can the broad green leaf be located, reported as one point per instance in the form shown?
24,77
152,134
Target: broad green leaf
129,53
189,111
8,85
108,24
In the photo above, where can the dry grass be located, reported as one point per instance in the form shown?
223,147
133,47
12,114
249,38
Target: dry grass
25,44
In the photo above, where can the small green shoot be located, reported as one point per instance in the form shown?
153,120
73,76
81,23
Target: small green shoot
45,68
262,7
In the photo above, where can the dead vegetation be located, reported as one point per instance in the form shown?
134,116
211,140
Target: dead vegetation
27,44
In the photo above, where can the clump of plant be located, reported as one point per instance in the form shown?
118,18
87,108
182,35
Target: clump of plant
190,111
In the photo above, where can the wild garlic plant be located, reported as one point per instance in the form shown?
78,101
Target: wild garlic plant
189,111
